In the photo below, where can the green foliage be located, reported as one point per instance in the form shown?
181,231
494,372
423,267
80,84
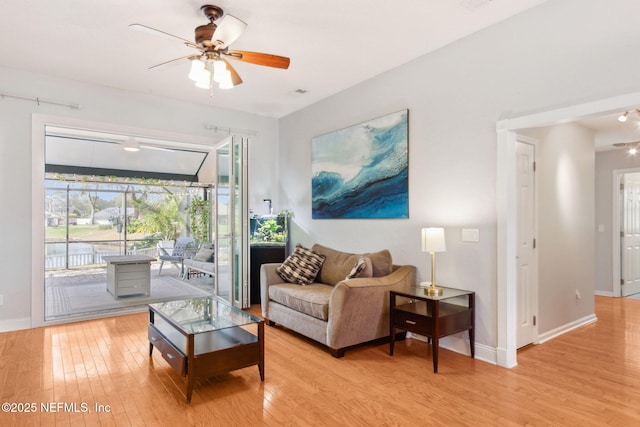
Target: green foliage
270,231
199,215
160,217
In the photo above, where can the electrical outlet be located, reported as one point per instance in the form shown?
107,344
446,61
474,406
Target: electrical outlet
578,294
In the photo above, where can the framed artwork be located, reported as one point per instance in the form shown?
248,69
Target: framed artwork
362,172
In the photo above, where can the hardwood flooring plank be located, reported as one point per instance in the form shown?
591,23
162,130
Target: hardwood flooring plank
586,377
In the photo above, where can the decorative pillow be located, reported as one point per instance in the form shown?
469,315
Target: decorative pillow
301,266
338,264
362,268
204,255
382,262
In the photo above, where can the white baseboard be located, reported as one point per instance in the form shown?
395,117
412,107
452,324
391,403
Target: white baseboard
459,344
15,324
566,328
603,293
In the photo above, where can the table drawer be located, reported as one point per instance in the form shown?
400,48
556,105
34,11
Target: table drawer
132,287
156,339
175,358
172,355
412,322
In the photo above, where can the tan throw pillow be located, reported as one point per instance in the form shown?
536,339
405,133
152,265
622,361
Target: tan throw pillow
301,266
362,268
337,264
382,263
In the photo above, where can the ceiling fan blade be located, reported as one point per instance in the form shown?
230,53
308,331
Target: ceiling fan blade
258,58
154,31
163,65
235,77
228,31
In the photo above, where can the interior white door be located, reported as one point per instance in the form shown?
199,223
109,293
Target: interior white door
630,235
526,261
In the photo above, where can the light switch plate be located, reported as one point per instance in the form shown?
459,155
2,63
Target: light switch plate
470,235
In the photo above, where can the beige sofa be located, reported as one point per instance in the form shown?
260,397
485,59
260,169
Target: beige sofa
336,312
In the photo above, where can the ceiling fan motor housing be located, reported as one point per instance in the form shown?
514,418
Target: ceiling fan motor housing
204,33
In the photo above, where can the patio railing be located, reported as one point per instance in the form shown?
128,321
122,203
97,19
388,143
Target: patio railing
89,258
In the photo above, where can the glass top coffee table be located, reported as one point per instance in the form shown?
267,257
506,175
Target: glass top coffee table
203,337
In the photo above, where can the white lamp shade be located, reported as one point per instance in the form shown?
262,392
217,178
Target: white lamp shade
225,82
197,70
204,79
433,239
219,70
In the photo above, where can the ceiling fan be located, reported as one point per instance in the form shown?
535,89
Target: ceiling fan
212,41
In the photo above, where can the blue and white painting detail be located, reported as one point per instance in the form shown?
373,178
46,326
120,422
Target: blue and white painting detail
362,171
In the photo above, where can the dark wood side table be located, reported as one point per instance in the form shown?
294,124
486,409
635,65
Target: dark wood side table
435,317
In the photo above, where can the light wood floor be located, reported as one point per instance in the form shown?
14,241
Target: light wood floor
590,376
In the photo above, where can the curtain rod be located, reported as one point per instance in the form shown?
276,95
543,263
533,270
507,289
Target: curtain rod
39,101
229,131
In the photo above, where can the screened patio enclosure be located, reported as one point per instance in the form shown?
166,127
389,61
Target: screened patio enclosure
88,218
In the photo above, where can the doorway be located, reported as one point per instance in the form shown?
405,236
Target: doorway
626,219
152,140
507,222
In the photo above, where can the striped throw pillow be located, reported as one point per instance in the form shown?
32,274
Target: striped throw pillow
301,267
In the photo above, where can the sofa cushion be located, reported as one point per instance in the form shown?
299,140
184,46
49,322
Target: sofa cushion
204,255
301,266
312,299
337,264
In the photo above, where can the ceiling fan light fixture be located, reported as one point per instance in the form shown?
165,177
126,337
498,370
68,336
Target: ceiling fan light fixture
219,70
131,144
198,70
205,81
225,81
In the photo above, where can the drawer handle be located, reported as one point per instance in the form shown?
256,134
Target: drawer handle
154,338
411,322
170,356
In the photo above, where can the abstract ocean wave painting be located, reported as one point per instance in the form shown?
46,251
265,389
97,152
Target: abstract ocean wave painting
362,172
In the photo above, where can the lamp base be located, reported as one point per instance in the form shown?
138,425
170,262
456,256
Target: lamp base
433,291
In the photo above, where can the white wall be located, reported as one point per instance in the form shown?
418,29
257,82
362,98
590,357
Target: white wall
98,104
606,163
566,239
558,54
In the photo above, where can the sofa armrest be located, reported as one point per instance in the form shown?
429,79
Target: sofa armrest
268,277
359,308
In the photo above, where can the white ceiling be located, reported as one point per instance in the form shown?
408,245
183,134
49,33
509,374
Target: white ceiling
333,44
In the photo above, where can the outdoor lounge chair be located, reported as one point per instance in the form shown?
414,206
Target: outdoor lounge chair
182,248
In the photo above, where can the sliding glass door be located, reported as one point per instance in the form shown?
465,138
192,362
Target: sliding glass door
232,222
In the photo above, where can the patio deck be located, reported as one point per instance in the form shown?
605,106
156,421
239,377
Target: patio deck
83,292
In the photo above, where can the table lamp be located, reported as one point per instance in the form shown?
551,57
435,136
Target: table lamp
432,242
